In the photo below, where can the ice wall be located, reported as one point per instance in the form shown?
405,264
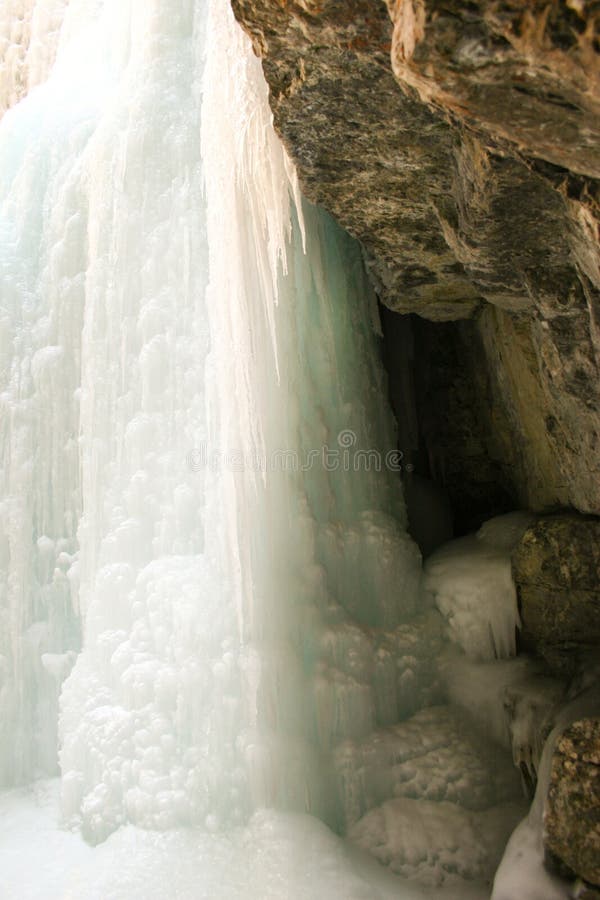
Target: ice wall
199,460
42,270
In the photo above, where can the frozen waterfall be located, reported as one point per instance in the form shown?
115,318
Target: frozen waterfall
198,442
212,619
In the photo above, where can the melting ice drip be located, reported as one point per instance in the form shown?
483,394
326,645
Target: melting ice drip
178,360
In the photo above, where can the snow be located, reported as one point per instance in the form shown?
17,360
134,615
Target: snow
504,532
277,855
522,873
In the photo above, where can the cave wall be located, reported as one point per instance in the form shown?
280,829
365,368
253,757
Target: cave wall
458,143
458,431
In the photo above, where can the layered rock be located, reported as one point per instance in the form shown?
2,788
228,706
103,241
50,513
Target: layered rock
526,74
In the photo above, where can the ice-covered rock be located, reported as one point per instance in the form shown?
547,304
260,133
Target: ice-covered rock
473,589
436,843
436,755
373,567
514,701
472,585
504,532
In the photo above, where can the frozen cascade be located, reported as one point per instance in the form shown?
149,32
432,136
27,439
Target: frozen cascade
198,694
183,423
42,251
198,472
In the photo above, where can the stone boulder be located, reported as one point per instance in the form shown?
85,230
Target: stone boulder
572,812
556,568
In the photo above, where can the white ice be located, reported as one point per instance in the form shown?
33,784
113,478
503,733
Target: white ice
472,585
515,701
